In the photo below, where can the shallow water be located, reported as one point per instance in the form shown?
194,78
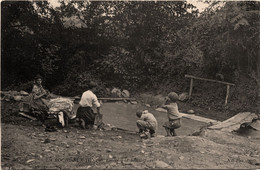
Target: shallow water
122,115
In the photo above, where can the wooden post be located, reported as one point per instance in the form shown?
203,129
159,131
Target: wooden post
191,86
227,94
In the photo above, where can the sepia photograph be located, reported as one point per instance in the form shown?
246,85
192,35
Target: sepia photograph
130,84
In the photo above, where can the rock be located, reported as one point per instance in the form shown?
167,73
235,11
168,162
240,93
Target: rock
47,140
190,111
113,164
181,157
109,150
30,160
80,143
162,165
110,156
125,93
126,162
52,139
119,137
17,98
67,146
82,137
254,162
24,93
116,92
107,127
147,105
133,102
184,96
41,135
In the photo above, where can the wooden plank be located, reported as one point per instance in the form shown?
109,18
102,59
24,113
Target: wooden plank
192,116
27,116
191,87
199,118
234,122
116,99
111,99
216,81
227,95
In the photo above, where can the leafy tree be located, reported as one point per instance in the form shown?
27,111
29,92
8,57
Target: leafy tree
27,42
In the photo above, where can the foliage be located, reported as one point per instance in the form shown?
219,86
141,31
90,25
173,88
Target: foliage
135,45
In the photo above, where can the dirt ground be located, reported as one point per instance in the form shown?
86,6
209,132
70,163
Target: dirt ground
25,145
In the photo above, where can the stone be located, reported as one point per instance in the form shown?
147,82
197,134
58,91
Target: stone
17,98
190,111
41,135
107,127
109,150
30,160
254,162
133,102
147,105
47,140
162,165
126,162
125,93
116,92
113,164
82,137
181,157
24,93
80,143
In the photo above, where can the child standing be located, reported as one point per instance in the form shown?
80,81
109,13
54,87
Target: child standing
147,122
172,113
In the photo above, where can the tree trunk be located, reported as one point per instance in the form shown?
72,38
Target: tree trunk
258,83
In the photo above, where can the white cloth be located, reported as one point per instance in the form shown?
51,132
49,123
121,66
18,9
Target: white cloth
61,119
88,99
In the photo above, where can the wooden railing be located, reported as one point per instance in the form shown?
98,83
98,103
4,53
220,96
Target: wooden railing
204,79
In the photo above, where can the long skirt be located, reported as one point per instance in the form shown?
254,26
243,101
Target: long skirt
87,114
36,104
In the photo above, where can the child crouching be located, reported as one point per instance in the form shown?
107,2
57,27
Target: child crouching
147,123
173,114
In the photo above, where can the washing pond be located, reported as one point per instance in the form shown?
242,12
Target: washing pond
122,115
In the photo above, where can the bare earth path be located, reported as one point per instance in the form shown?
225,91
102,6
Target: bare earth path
25,145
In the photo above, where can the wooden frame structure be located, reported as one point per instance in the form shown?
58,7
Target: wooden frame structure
204,79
